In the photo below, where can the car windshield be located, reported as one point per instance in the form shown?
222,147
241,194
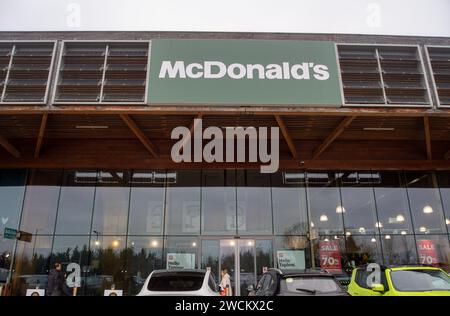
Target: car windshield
420,280
176,281
312,285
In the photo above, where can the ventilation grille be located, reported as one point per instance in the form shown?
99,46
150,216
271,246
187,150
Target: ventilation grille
102,73
382,75
440,65
25,71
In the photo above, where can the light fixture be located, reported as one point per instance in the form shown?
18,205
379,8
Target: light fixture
387,237
422,229
97,243
447,221
312,224
427,209
194,244
378,128
154,243
91,126
326,239
373,240
340,209
250,243
336,237
403,232
362,230
7,255
379,224
400,218
115,243
323,218
348,233
232,243
132,243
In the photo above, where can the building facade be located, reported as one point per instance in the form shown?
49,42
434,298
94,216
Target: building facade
87,177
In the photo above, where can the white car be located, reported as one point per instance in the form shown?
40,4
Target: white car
180,283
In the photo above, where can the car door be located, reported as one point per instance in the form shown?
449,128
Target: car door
358,286
259,287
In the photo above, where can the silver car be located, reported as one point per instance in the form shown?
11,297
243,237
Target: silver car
180,283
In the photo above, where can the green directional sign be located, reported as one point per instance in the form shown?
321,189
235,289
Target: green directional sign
243,72
10,233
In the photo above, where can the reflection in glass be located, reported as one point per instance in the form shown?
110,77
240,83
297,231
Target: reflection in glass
218,202
324,199
289,204
210,257
144,256
294,243
425,203
183,204
181,245
107,264
392,204
254,204
146,203
76,202
399,249
32,264
444,184
358,206
246,264
12,187
434,250
111,203
362,250
41,201
264,256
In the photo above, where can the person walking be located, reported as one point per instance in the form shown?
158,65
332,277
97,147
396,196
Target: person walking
55,284
225,282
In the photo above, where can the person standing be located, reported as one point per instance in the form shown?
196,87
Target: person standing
55,285
225,282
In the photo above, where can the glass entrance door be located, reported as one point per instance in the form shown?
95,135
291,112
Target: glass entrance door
244,259
238,257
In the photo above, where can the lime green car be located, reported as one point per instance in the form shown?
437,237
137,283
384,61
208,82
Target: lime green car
400,281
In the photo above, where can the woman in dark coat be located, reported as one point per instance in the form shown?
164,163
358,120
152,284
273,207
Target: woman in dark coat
55,285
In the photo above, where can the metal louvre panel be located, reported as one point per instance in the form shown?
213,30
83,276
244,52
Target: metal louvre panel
439,58
26,76
383,75
102,72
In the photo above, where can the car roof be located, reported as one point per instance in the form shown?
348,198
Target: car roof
301,272
179,271
404,267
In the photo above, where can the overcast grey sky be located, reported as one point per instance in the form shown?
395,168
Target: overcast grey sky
393,17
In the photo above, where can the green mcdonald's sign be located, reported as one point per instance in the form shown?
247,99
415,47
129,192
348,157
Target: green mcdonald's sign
243,72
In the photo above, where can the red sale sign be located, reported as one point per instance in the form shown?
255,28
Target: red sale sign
330,256
427,252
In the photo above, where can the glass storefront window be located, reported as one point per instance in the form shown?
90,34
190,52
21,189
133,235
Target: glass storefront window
399,249
358,205
329,253
219,202
111,203
144,254
107,264
183,203
72,250
297,248
289,203
392,203
76,202
180,252
41,201
254,203
434,250
147,203
210,257
425,203
12,188
324,204
444,185
32,264
361,250
264,256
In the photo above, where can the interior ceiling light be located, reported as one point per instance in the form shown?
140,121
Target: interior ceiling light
340,209
427,209
323,218
400,218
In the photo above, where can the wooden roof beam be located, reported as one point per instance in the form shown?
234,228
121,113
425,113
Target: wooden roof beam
139,134
287,136
334,134
426,127
9,147
40,135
